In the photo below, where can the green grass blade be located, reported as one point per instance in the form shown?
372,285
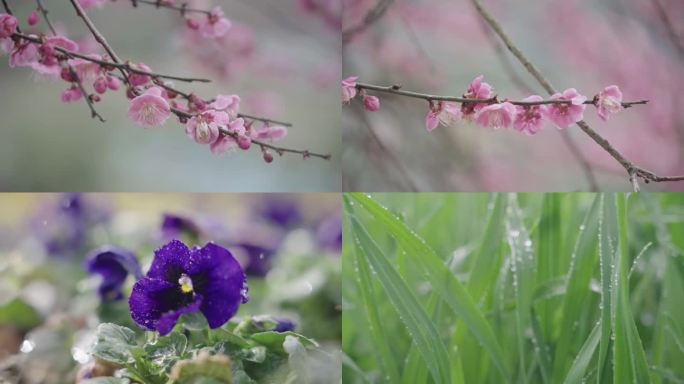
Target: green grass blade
607,222
441,279
582,264
523,264
630,364
416,320
579,366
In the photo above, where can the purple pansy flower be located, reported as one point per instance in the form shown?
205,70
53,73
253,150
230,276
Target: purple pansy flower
184,280
280,211
174,226
284,325
113,264
259,258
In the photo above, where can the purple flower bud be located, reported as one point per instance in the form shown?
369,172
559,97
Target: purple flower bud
114,264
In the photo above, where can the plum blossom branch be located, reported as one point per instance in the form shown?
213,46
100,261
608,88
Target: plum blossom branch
72,71
153,99
396,90
632,170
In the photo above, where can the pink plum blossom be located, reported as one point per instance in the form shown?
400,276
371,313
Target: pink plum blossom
498,115
349,89
223,144
608,101
8,25
48,64
227,103
86,70
72,94
91,3
267,132
372,103
137,79
478,89
204,128
446,112
24,54
214,25
564,115
149,109
528,118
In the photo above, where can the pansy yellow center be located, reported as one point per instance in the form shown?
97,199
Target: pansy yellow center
185,283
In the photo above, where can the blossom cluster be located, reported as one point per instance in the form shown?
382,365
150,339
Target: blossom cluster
563,109
215,122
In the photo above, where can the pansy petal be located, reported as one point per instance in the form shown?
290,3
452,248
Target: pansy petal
150,299
168,320
113,264
218,276
170,261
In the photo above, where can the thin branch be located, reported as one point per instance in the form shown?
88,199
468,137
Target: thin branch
671,32
106,63
371,17
396,89
628,165
93,112
568,140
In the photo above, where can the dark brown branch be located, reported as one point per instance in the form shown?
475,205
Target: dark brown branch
395,89
632,170
371,17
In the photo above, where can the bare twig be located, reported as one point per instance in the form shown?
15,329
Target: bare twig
396,89
568,140
371,17
671,32
627,164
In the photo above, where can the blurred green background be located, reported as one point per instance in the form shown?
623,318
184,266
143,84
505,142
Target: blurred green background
51,146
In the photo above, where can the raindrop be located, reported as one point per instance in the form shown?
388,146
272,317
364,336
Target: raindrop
27,346
528,243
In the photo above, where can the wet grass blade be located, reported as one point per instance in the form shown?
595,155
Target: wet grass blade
630,360
582,264
440,277
583,359
416,320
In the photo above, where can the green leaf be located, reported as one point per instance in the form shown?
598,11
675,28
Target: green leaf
418,323
440,277
274,340
166,350
114,343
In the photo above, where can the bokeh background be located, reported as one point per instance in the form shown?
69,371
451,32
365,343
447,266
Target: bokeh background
439,46
288,244
292,75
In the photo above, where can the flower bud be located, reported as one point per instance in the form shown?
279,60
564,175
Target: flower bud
371,103
33,18
244,142
268,157
100,85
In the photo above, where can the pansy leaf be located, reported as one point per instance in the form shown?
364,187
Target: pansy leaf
19,314
166,350
114,343
274,340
